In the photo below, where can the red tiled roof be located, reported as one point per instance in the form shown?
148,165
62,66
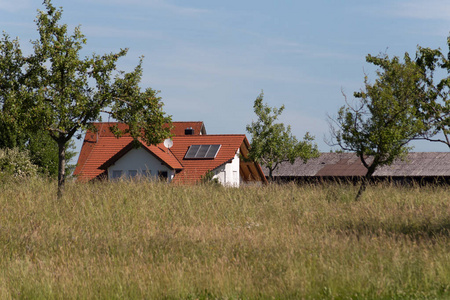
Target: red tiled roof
102,128
194,169
179,127
101,149
89,161
160,152
94,153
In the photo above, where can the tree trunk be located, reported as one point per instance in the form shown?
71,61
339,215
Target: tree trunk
362,188
270,175
61,167
364,182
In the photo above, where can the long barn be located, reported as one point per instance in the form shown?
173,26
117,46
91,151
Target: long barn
421,167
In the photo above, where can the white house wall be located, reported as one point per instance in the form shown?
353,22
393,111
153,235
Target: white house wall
141,161
228,174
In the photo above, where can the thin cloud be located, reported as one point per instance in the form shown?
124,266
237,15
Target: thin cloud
284,46
14,6
213,70
108,32
181,10
426,10
158,4
25,25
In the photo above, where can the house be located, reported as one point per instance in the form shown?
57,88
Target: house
190,155
422,167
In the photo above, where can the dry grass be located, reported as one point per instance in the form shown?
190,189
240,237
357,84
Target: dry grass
148,240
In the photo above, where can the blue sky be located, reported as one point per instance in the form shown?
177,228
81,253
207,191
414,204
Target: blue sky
211,59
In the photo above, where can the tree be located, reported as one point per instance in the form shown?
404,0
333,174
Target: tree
273,143
379,127
43,152
16,163
38,145
11,94
63,93
434,108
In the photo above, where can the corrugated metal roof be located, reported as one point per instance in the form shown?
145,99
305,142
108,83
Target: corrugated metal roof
420,164
416,164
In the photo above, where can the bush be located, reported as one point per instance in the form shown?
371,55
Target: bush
209,178
16,163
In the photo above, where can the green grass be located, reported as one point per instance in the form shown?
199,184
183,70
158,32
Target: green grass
152,240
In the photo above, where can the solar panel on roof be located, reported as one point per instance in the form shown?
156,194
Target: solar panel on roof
192,151
202,151
212,151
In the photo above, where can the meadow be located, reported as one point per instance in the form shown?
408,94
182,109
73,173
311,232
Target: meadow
146,240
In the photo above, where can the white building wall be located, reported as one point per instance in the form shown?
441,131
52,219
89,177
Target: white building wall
142,161
228,174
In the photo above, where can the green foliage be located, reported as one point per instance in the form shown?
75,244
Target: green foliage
273,143
16,163
61,92
12,94
14,133
434,108
208,178
43,151
385,118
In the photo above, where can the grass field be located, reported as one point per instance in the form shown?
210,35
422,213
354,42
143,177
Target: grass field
152,240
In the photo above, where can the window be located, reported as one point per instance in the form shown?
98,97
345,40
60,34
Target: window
132,173
163,175
116,174
202,151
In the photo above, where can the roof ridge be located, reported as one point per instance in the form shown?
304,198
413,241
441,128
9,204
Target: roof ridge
428,152
187,121
208,135
410,152
103,122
